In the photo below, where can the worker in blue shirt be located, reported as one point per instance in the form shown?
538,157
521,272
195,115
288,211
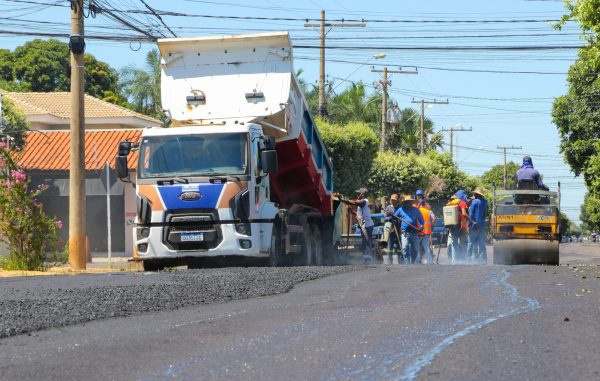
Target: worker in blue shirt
412,223
527,172
477,235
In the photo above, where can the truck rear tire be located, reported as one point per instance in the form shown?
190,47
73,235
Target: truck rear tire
307,257
318,254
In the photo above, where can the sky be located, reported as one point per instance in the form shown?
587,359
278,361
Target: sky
504,95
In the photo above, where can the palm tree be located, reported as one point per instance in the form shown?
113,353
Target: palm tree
142,86
406,135
352,104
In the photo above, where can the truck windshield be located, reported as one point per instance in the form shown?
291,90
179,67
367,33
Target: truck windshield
193,155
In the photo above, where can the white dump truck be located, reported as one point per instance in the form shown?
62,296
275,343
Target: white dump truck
242,171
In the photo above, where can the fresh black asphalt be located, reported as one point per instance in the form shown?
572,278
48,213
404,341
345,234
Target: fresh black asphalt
381,322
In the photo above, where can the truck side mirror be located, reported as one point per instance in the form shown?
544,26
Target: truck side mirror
124,148
121,167
268,160
266,143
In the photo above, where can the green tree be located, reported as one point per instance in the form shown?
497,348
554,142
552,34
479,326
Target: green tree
495,176
405,136
444,177
590,212
6,68
44,65
142,86
13,122
434,172
576,114
353,104
585,12
352,148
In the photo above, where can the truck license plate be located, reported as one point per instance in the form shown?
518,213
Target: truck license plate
189,237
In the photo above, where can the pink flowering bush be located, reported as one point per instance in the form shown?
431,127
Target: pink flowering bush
31,235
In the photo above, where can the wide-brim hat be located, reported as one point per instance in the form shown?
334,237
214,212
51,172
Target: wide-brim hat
362,190
407,198
478,191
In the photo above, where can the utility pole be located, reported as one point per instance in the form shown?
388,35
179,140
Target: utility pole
423,102
77,215
452,131
384,100
322,25
505,149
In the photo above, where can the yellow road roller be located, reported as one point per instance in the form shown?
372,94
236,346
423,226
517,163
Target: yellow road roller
526,226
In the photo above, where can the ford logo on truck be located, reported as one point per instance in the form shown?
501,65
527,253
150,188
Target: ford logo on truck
190,196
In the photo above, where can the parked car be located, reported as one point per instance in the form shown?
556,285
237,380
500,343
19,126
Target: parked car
439,235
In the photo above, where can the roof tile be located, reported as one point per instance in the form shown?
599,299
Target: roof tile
59,104
50,150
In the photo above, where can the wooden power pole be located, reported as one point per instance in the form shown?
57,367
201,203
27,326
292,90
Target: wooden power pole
384,100
505,149
423,102
452,131
322,100
77,215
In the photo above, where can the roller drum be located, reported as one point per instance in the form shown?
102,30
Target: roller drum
525,252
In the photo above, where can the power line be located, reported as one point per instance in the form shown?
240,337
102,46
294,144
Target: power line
447,37
158,17
449,48
447,69
362,20
87,36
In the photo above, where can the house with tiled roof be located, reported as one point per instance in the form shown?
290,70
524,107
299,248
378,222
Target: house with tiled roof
45,158
50,111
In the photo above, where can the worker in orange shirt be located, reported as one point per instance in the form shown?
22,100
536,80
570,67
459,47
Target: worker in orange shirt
425,234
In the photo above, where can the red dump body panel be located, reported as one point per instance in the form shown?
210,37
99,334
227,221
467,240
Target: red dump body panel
298,179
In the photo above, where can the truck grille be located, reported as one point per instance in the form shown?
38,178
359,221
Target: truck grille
192,230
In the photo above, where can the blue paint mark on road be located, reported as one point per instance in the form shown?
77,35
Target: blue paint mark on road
527,305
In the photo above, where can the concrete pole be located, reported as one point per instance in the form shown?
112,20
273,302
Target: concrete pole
505,169
384,110
77,215
322,101
505,174
422,126
451,136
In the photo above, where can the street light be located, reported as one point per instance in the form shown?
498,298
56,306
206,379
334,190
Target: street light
377,56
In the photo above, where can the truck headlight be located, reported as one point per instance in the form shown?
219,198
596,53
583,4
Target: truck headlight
143,247
245,243
143,233
244,229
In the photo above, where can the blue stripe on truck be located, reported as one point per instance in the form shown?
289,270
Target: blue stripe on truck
210,195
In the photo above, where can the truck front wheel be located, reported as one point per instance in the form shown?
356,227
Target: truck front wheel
275,252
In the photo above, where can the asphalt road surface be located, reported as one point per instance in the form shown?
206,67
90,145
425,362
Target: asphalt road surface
435,322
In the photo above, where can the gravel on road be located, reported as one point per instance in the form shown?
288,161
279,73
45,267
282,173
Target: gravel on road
32,304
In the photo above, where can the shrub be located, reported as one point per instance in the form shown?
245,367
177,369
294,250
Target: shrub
28,231
352,148
395,173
